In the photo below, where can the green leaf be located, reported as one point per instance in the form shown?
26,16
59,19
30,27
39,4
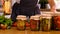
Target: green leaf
8,21
1,18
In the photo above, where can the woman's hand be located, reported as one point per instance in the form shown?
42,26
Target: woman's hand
53,9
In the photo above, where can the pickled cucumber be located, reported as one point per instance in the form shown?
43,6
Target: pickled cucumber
45,24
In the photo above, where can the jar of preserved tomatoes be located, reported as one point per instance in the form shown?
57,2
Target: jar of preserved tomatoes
21,20
34,23
56,21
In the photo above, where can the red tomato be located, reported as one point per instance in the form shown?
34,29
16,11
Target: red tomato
27,24
15,24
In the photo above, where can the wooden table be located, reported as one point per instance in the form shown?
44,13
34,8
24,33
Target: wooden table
15,31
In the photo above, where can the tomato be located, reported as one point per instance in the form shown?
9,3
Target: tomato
27,24
15,24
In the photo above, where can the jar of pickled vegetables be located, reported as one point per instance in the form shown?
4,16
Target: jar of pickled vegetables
45,22
34,23
21,20
56,21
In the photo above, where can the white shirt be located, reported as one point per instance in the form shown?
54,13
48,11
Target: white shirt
57,2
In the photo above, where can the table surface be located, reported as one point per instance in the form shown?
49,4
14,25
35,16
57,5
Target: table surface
15,31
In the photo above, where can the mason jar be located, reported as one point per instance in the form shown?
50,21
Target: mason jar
56,21
34,23
21,20
45,22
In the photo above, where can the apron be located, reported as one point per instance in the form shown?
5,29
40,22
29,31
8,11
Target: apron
26,7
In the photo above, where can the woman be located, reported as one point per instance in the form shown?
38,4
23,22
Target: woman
27,7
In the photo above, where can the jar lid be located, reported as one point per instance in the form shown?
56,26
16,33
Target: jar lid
36,17
46,15
22,17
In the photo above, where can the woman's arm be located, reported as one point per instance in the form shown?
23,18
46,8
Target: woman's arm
18,1
52,5
14,15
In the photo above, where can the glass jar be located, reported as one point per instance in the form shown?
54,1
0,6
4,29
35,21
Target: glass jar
45,22
34,23
21,20
56,21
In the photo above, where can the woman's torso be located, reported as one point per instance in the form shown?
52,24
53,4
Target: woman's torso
28,7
